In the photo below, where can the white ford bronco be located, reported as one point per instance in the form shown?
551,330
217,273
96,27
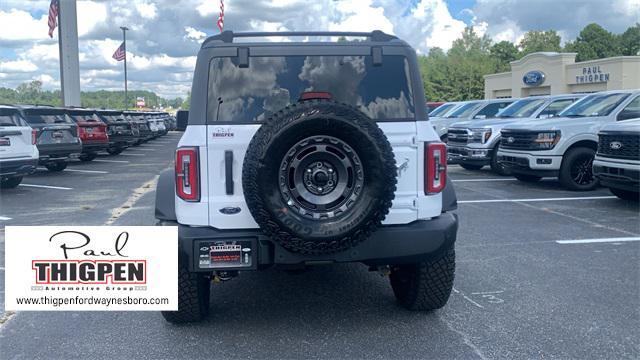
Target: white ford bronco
306,153
565,146
474,143
617,162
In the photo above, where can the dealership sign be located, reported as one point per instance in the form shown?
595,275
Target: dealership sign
91,268
533,78
592,74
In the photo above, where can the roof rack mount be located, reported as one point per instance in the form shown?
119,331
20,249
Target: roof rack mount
228,35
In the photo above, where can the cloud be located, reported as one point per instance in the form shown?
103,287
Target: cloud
510,19
165,36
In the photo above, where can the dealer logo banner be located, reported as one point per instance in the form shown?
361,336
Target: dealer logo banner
91,268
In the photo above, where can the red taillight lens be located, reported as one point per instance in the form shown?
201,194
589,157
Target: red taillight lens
187,174
34,136
435,167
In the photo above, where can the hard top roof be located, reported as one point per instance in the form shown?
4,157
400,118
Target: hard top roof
374,37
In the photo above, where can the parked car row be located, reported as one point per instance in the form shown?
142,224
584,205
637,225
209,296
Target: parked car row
552,136
32,135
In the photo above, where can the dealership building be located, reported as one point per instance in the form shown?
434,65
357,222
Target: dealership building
552,73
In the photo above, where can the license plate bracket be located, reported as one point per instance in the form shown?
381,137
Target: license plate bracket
228,254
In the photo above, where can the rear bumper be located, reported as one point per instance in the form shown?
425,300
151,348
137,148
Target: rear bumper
88,148
58,152
18,167
615,175
118,140
389,245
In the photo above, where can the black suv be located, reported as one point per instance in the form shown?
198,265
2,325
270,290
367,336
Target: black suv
308,153
120,131
144,132
56,135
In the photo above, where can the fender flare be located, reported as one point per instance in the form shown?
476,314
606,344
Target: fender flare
165,196
449,198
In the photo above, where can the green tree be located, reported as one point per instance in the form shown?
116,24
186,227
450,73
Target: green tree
535,41
594,42
187,102
469,60
630,41
503,53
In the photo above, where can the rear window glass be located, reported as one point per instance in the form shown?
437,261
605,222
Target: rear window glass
10,118
47,119
269,84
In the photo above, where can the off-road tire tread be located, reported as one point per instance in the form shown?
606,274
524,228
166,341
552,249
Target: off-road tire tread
257,150
430,283
193,298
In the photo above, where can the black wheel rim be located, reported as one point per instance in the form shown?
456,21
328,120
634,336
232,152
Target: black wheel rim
321,177
581,171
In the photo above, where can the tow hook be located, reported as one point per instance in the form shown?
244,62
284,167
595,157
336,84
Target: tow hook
219,276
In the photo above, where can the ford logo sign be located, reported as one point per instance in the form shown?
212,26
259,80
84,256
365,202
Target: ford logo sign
230,210
615,145
533,78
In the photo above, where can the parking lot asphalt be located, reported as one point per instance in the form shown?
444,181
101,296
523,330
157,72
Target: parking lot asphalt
527,284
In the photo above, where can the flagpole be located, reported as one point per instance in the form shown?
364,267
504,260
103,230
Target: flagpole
124,38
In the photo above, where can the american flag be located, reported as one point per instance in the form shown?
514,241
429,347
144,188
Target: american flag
221,16
120,53
54,8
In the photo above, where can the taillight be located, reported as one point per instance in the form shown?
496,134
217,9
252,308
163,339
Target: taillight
435,167
187,174
34,136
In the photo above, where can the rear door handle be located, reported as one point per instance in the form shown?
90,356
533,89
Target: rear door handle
228,171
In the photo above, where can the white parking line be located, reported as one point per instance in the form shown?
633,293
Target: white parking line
87,171
4,218
488,179
152,145
112,161
535,200
141,149
132,154
46,186
602,240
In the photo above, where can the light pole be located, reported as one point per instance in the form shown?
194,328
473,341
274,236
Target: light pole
124,38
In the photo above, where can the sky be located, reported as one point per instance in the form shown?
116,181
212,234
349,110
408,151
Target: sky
165,35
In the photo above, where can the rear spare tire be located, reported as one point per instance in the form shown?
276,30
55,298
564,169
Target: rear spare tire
319,177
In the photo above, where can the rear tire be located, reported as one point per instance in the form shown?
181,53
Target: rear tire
10,182
114,151
425,285
194,290
576,170
88,157
527,178
625,194
471,167
56,166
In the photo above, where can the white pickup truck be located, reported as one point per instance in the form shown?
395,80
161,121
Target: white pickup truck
617,162
565,146
469,110
474,143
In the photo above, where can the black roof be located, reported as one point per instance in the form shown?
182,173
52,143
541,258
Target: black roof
228,36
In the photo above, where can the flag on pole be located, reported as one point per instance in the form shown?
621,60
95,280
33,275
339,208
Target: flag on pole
54,8
120,53
221,16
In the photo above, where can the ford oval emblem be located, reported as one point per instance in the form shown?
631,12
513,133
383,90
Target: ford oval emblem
615,145
511,139
230,210
533,78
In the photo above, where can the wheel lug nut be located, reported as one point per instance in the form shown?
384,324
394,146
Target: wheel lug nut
319,189
290,202
308,170
330,170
